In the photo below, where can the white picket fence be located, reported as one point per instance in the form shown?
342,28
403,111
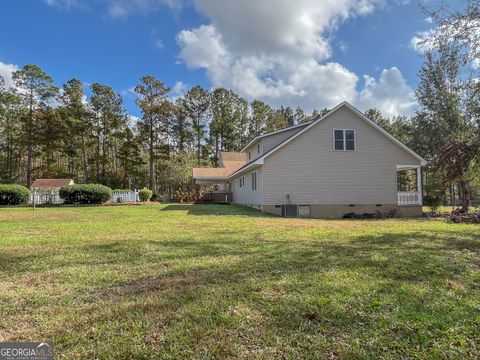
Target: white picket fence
53,197
46,197
126,196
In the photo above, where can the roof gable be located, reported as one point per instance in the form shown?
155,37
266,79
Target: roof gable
229,163
268,134
352,109
51,183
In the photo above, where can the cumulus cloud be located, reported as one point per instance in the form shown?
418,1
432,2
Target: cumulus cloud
297,28
6,71
390,93
281,55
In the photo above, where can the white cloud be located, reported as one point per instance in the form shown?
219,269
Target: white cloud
476,64
124,8
278,51
178,90
158,44
132,121
422,41
390,94
343,46
67,4
297,28
6,71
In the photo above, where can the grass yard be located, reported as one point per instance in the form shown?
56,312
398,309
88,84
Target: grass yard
447,209
205,281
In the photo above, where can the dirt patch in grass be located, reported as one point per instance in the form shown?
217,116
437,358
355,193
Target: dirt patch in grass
143,286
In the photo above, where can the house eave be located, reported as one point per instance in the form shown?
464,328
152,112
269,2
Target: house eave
253,164
210,178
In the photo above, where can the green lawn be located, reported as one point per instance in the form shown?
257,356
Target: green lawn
205,281
447,209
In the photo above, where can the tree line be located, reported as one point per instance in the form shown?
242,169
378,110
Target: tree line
49,131
46,131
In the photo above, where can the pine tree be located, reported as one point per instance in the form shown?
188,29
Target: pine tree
37,89
197,104
156,116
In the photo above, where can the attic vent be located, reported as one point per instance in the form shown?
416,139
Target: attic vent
289,211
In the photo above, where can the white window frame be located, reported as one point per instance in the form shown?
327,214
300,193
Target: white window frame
242,182
345,139
254,180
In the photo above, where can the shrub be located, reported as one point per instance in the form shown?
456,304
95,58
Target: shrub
13,194
85,194
120,200
433,202
145,194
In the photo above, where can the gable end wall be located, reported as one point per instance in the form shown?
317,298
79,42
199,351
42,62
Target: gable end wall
311,172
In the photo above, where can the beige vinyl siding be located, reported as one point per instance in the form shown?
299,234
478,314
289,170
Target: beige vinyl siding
247,196
271,141
311,172
253,149
268,143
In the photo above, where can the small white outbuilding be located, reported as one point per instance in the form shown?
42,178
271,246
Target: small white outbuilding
47,191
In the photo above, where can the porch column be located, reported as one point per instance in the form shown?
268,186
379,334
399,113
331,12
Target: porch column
419,185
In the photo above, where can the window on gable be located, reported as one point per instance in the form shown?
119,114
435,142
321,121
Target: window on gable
249,155
258,149
344,139
254,181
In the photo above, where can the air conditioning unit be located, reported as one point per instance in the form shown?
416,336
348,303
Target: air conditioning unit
289,211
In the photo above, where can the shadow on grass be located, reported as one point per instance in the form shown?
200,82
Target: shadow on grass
216,209
471,243
350,286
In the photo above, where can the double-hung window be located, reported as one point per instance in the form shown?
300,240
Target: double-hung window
254,181
242,182
344,139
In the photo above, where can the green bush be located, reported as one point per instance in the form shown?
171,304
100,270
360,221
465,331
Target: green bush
85,194
432,201
13,194
145,194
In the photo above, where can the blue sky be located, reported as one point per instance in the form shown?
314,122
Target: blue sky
310,53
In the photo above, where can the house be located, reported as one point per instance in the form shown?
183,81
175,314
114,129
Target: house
47,191
228,164
337,164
